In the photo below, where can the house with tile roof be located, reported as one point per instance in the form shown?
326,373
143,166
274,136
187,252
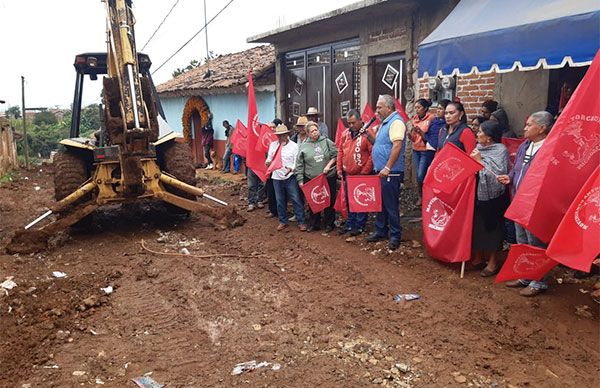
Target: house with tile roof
219,88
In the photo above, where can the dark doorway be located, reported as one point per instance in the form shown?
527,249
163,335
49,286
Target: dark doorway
324,77
197,149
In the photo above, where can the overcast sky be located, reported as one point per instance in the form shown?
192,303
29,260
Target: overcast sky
40,38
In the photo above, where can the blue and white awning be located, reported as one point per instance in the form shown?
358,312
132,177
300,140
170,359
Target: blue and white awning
481,36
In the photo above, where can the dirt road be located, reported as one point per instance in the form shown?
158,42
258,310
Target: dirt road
319,309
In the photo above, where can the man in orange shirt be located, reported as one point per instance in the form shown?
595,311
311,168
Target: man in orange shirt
354,158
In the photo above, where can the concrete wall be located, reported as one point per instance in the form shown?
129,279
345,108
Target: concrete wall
522,93
228,107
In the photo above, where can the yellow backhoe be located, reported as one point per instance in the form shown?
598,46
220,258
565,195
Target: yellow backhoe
128,161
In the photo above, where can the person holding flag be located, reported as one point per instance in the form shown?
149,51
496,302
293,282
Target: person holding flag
491,200
423,152
536,129
388,161
281,161
269,187
317,156
354,158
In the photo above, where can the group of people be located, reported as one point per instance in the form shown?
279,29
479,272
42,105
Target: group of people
307,152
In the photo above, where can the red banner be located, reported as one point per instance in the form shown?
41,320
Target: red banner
339,132
265,138
401,111
568,157
525,262
340,201
364,193
448,221
254,159
450,167
239,139
317,193
576,242
512,145
367,114
277,162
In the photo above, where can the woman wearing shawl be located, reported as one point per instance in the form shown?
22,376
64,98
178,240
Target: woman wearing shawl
492,200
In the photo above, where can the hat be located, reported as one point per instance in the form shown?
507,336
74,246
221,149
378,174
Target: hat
312,111
281,129
302,120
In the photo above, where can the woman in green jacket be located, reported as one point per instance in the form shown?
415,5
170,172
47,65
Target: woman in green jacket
316,156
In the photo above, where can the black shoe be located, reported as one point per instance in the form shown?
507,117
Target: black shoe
343,231
329,228
312,228
393,245
374,237
356,232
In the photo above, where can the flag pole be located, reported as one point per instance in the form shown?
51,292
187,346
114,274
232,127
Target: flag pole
462,270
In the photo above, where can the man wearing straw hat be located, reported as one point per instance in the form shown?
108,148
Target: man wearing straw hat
312,114
284,181
300,136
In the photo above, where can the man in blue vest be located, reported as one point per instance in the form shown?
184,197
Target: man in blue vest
388,162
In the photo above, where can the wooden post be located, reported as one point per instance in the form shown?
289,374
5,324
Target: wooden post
26,144
462,269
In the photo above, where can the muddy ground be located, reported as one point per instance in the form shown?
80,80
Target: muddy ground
318,308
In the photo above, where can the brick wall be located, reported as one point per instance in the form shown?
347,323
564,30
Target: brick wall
472,89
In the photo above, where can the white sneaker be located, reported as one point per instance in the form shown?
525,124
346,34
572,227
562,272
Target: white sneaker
209,167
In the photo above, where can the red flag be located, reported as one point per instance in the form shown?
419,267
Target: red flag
576,242
277,162
239,139
317,193
364,193
400,110
525,262
448,221
340,201
512,145
449,168
254,159
367,114
339,132
265,138
563,164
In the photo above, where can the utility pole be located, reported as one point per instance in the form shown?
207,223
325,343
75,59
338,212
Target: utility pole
206,35
24,125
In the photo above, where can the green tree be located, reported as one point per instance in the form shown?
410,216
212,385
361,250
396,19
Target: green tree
90,120
14,112
193,64
44,118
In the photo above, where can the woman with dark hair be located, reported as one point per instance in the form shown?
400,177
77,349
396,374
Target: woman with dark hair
500,117
492,199
476,122
423,152
456,130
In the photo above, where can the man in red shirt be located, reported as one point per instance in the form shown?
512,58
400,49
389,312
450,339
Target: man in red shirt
354,158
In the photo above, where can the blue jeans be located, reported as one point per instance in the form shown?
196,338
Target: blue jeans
355,221
237,160
227,159
388,220
288,189
256,189
526,237
270,192
422,160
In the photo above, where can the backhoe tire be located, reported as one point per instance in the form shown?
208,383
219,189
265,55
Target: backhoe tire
71,169
176,159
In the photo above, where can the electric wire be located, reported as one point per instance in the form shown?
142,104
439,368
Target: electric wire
160,25
192,38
